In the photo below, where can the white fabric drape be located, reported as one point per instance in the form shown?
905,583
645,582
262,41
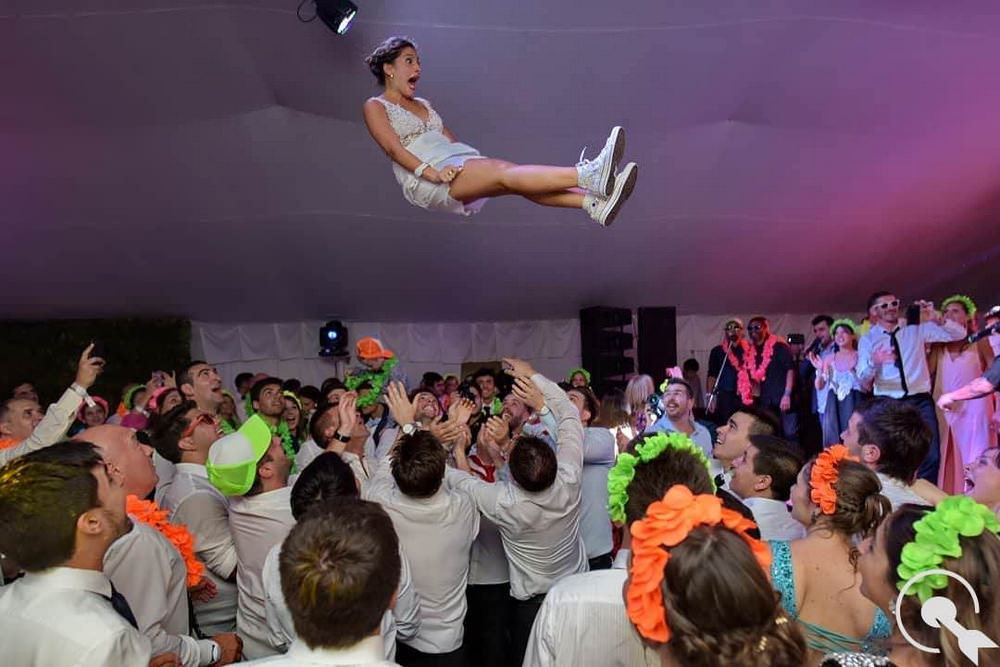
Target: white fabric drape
289,349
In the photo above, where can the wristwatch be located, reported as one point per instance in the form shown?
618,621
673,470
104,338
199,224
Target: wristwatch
216,653
341,438
544,411
408,429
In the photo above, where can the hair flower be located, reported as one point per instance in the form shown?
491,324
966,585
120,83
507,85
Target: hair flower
824,476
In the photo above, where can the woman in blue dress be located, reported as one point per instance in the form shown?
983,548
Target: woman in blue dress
439,173
839,501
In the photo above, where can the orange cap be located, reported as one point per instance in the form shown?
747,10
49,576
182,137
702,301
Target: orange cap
372,348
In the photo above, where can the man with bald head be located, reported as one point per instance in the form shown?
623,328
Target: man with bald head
146,567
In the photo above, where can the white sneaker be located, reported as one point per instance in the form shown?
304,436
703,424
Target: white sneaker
603,210
597,176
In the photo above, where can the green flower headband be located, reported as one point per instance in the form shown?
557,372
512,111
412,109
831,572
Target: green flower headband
937,538
295,399
582,371
621,475
844,322
129,398
970,305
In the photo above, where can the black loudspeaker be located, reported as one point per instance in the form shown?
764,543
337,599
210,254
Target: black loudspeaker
657,349
604,342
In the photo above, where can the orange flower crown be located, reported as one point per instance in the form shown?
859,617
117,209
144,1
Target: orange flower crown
667,523
824,475
149,513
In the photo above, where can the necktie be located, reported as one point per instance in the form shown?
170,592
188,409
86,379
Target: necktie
899,359
120,605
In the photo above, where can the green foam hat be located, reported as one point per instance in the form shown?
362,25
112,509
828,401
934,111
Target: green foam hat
232,460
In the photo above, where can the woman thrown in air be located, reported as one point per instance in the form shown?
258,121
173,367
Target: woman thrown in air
440,174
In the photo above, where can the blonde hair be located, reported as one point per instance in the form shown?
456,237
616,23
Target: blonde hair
639,388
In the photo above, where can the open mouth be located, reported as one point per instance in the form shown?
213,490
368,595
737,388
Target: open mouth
412,81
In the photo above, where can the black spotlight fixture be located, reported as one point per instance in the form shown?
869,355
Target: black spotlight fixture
333,340
336,14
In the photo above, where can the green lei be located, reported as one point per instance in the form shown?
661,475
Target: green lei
226,427
937,537
621,475
281,430
377,379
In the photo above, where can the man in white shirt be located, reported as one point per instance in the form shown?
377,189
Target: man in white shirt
538,509
183,436
147,568
339,569
763,478
436,527
892,357
328,478
678,402
599,453
892,438
733,438
336,427
251,467
583,620
57,518
25,428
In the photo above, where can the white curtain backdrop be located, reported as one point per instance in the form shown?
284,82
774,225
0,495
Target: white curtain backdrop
290,349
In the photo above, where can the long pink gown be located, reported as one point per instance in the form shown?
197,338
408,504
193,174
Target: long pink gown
968,424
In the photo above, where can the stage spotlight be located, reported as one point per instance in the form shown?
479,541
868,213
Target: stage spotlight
336,14
333,340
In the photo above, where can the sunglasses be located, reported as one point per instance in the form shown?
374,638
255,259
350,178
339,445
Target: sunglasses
888,304
202,419
733,327
755,327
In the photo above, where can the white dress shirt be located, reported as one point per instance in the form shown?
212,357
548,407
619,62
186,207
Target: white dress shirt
257,523
541,531
59,617
437,534
367,652
148,570
194,502
774,520
912,341
599,452
309,450
583,622
898,492
53,427
402,622
488,563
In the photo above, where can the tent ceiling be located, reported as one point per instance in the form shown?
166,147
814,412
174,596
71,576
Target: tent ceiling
208,159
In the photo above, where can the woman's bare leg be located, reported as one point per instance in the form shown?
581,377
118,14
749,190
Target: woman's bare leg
565,199
485,177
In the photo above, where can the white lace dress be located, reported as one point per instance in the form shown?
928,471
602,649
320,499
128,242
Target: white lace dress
428,142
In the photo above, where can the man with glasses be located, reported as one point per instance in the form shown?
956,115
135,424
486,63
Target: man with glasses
722,400
893,361
183,436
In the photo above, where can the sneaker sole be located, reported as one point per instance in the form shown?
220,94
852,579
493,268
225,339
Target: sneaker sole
608,178
626,180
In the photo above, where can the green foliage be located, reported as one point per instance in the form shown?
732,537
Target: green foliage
47,353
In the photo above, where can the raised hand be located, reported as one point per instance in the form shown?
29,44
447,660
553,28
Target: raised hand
447,432
815,360
461,411
882,356
348,411
402,409
526,390
518,368
88,368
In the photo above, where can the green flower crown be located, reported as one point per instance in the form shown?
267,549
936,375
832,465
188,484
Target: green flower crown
970,305
621,475
129,398
844,322
582,371
937,538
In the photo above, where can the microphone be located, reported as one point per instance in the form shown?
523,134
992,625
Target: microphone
984,332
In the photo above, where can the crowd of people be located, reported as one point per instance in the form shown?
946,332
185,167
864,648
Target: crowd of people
513,519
